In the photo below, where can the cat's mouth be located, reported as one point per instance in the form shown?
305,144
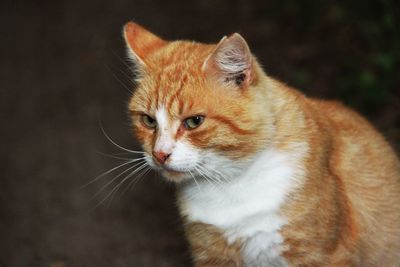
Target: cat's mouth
169,169
172,173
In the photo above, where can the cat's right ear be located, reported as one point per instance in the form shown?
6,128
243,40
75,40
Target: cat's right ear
140,42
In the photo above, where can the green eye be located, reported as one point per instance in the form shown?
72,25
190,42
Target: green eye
149,122
193,122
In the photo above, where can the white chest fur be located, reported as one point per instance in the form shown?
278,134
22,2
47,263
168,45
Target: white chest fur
248,207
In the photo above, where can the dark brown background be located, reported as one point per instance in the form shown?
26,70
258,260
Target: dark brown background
62,64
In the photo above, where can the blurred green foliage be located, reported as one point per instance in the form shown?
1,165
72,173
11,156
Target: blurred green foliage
367,35
375,79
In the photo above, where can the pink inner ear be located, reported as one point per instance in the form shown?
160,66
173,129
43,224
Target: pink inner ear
140,41
231,62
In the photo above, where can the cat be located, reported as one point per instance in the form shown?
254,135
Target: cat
265,175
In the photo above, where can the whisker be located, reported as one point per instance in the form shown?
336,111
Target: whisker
137,178
108,172
119,80
114,143
138,170
113,156
212,175
203,175
123,153
209,175
194,178
128,76
123,61
219,174
116,188
116,177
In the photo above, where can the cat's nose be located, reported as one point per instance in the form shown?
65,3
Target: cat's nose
160,156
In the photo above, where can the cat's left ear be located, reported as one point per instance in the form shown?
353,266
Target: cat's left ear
231,62
140,42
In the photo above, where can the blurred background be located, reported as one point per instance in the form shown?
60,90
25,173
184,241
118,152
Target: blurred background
63,69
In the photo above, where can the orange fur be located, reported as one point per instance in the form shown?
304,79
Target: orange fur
347,211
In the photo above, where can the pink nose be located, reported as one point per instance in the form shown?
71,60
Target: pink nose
161,156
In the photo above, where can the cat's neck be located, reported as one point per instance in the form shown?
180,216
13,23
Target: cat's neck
260,189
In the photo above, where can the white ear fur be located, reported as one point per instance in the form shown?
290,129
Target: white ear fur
231,61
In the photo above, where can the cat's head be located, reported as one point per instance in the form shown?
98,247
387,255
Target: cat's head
198,109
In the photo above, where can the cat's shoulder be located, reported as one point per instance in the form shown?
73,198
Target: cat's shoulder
340,116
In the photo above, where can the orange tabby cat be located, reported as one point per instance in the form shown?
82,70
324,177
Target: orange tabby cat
266,176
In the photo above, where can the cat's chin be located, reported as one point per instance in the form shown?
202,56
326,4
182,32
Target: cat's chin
175,176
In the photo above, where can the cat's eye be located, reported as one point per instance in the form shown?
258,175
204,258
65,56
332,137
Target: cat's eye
193,122
148,121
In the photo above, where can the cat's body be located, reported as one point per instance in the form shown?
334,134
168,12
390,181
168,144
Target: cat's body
266,176
340,214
